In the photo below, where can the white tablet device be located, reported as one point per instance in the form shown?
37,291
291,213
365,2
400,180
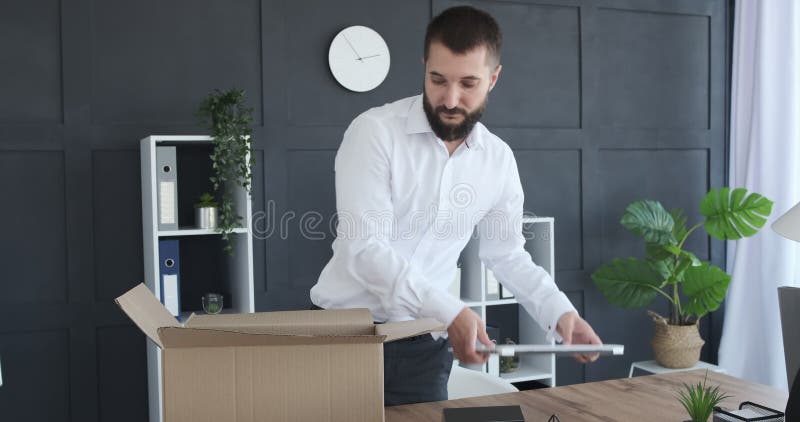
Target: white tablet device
558,349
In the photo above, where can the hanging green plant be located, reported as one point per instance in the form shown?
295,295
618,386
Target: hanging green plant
229,120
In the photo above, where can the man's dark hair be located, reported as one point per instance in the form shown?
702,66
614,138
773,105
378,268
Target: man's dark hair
462,29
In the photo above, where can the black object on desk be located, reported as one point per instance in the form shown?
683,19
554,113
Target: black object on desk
753,412
484,414
793,405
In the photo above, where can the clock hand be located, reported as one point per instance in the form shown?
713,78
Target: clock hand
369,57
351,47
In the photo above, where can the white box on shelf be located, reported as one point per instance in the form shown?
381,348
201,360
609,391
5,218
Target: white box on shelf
505,293
492,286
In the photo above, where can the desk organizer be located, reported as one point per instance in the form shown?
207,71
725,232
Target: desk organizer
748,411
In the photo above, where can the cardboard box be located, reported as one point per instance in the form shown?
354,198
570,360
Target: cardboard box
270,366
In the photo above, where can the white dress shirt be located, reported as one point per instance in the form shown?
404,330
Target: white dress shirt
406,208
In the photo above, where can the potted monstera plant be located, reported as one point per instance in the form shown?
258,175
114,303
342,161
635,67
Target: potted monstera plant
692,287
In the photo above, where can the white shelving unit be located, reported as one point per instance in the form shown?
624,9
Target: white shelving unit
238,280
473,291
195,232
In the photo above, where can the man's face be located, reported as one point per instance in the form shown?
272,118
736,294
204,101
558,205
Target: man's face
456,90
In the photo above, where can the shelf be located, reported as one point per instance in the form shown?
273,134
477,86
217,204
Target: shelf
526,374
196,232
505,315
529,220
184,316
204,266
492,302
510,301
183,139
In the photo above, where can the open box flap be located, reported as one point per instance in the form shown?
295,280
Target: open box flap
146,312
340,322
404,329
177,337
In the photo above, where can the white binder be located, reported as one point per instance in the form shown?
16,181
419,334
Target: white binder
167,186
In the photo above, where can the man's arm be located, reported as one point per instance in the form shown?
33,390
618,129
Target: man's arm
367,224
502,250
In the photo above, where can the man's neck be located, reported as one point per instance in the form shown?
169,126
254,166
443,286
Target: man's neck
453,145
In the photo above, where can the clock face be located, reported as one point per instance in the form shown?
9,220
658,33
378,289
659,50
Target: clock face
359,58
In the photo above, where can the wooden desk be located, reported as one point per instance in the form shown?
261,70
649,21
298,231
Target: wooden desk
648,398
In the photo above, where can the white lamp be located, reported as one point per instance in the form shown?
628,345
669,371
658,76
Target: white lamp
788,225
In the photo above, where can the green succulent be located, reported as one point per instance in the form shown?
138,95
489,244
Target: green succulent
699,400
206,201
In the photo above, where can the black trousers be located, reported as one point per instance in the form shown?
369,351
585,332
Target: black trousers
415,370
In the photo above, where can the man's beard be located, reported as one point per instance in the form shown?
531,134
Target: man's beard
448,132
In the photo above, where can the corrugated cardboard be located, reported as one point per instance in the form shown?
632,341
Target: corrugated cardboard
270,366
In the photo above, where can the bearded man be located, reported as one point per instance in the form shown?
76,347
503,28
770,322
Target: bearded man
413,180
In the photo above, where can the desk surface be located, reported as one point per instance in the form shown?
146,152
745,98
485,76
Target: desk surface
650,398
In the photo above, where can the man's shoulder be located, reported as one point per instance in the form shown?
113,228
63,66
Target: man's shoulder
390,113
492,142
380,125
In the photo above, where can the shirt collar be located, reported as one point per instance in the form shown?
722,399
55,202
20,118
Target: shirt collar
417,122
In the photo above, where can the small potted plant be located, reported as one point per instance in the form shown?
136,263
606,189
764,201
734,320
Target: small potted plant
509,364
212,303
205,212
700,400
693,288
225,114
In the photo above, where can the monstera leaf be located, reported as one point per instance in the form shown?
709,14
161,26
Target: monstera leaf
679,230
732,215
650,220
656,251
705,287
664,268
629,283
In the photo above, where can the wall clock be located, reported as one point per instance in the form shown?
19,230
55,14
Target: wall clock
359,58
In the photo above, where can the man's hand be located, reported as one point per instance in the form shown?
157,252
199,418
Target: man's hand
574,330
463,331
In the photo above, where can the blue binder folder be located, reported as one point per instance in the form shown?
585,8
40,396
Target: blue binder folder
169,275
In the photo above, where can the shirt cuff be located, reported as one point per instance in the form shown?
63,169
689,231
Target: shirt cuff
442,306
552,310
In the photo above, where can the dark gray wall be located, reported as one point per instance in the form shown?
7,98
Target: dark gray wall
604,102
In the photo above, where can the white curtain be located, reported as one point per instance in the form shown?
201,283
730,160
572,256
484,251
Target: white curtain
765,158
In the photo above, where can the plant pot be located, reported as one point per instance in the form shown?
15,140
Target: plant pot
205,217
675,346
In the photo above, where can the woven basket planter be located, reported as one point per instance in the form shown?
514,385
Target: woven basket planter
675,346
